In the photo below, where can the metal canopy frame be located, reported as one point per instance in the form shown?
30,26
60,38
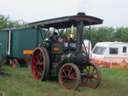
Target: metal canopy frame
68,21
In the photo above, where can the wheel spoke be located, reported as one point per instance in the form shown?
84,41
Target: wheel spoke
70,71
87,69
63,71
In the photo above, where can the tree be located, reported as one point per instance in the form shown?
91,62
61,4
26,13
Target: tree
99,34
121,34
5,22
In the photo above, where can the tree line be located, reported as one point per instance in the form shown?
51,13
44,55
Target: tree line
100,34
5,22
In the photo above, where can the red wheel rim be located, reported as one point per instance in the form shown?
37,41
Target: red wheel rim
68,77
37,64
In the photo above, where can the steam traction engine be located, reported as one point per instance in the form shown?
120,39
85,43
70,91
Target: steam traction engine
65,58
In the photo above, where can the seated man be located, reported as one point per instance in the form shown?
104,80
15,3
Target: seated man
56,44
54,37
72,44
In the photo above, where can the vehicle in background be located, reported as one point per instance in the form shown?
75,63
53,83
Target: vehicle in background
110,54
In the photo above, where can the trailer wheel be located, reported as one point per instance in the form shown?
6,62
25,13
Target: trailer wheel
91,76
14,63
3,60
69,76
40,63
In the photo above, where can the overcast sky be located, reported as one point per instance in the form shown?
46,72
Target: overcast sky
114,12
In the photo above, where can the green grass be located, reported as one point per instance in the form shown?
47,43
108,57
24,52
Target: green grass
21,83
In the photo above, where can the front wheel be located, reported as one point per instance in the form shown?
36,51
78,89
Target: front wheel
69,76
91,76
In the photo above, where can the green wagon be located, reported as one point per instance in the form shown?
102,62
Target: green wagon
3,45
14,43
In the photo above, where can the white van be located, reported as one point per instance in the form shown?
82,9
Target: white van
110,54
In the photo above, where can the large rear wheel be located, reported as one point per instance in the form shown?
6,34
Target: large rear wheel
69,76
40,63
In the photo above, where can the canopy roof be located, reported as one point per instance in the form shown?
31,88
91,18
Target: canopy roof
68,21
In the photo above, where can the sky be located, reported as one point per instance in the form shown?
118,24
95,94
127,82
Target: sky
113,12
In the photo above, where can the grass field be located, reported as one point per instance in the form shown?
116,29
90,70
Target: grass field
19,82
